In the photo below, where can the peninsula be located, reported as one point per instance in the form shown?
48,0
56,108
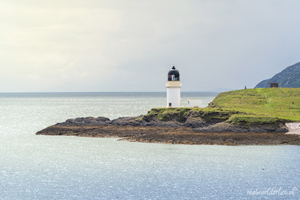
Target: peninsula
242,117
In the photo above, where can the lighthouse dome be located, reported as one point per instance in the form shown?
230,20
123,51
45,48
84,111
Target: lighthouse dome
173,75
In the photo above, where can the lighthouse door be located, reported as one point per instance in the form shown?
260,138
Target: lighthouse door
170,105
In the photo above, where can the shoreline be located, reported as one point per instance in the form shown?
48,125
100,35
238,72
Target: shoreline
172,135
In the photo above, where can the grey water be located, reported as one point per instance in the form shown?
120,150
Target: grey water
62,167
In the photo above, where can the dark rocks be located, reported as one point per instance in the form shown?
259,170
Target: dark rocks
226,127
193,130
199,125
125,121
85,121
163,124
172,135
195,123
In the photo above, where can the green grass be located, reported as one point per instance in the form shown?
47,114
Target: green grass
250,106
282,103
253,120
168,114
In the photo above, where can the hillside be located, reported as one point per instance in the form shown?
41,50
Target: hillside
282,103
249,107
289,77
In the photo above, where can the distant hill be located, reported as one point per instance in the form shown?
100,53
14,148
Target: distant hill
289,77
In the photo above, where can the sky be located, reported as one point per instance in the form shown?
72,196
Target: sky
129,46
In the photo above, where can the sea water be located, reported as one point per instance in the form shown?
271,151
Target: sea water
65,167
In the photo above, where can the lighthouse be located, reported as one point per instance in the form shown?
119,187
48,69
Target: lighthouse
173,89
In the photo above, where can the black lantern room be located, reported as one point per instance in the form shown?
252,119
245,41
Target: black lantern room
173,75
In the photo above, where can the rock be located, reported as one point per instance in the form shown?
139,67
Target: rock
126,121
294,128
173,135
162,124
232,128
195,123
85,121
199,125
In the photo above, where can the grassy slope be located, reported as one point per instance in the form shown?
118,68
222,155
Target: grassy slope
251,106
282,103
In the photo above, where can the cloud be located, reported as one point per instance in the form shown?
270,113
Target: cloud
131,45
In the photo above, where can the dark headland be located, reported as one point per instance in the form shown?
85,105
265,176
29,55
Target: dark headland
288,78
242,117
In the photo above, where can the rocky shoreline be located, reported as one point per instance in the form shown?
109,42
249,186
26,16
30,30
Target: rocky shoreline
188,131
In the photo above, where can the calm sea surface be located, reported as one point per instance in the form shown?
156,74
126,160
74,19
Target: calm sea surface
59,167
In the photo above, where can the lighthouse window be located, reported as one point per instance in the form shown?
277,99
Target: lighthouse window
172,77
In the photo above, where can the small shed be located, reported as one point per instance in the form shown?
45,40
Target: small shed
276,85
194,103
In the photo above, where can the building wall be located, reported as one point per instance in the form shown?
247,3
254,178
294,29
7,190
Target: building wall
194,103
173,96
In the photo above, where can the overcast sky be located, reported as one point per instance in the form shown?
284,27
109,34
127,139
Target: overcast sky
130,45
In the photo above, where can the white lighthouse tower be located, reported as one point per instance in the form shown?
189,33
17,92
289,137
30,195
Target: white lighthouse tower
173,89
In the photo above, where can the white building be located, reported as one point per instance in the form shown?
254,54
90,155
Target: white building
194,103
173,89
